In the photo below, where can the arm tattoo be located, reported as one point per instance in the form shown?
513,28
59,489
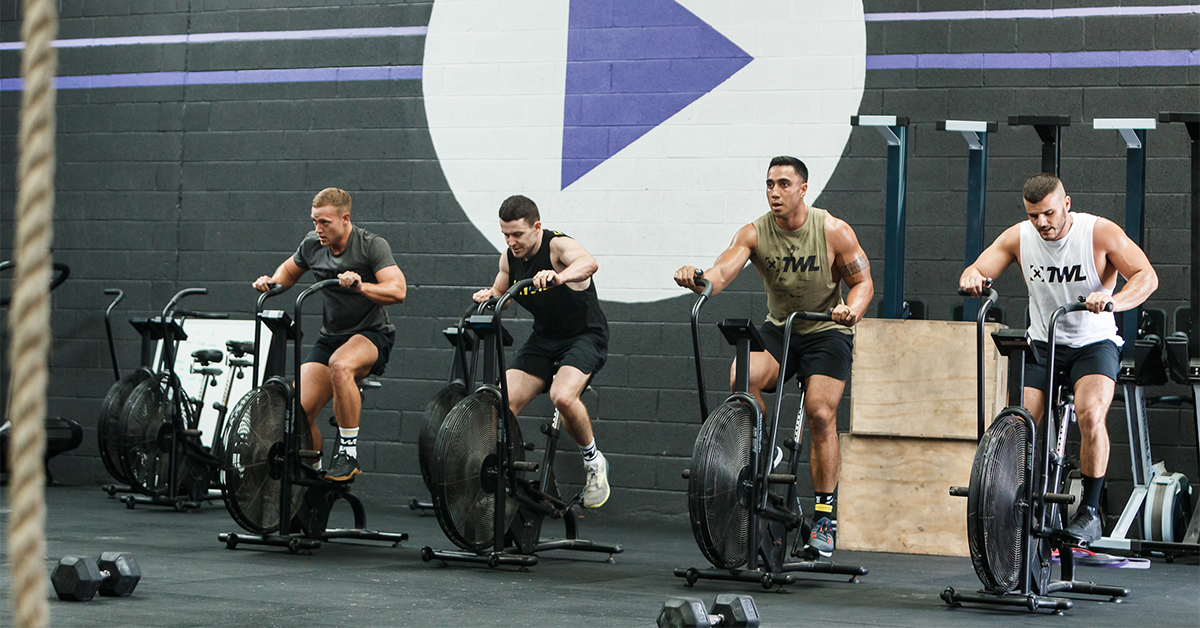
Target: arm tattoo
854,267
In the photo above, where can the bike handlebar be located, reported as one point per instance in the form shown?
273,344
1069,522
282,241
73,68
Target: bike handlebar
813,316
120,296
316,287
519,286
63,271
274,290
989,293
981,318
202,315
112,348
705,293
170,308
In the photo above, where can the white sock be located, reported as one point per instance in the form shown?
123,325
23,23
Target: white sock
348,440
317,465
589,451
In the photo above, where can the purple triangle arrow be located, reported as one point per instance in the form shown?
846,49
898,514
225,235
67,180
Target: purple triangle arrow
631,64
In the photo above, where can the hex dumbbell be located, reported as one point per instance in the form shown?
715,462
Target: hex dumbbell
737,610
79,578
729,610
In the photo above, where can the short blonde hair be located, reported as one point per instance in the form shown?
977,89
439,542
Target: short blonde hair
335,197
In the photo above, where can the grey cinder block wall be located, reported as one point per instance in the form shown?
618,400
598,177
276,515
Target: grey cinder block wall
167,186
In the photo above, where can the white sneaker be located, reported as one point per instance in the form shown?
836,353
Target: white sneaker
596,491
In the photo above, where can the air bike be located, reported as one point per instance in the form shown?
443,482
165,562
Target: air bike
488,499
740,522
460,380
1015,502
150,424
269,485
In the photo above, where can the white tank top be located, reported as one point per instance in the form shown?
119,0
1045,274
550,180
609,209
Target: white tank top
1058,273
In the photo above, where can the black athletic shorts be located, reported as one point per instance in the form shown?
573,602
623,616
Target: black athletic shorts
1098,358
326,345
828,352
542,356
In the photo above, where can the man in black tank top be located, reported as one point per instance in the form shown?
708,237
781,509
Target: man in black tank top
801,271
569,343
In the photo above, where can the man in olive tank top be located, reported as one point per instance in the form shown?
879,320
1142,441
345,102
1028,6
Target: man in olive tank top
803,254
569,343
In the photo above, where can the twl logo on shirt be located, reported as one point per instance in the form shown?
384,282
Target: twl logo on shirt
793,264
1054,274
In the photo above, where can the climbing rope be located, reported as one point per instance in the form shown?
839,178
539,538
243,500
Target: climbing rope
29,316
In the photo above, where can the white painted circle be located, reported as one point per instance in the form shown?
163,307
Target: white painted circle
494,78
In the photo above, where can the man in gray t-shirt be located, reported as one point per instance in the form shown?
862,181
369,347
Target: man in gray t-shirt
356,336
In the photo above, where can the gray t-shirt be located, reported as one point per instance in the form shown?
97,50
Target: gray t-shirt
347,311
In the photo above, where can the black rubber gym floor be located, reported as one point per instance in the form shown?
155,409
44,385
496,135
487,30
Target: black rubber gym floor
190,579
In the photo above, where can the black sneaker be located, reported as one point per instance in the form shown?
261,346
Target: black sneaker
1085,527
820,542
343,468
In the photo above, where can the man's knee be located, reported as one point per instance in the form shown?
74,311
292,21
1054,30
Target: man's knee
342,369
562,398
349,366
822,421
1092,419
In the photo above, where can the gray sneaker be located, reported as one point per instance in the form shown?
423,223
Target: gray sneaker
595,490
820,543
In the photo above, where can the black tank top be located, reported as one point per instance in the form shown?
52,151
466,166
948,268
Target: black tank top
558,311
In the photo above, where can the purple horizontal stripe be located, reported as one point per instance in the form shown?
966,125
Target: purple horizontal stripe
210,38
1036,60
234,77
1032,14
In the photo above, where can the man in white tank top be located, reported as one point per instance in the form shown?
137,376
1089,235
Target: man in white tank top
1065,255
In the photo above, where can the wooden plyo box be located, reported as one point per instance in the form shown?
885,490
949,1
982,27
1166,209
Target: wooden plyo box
913,430
918,378
893,495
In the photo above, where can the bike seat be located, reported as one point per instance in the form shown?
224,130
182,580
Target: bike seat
1148,368
367,382
204,357
1177,357
451,334
239,348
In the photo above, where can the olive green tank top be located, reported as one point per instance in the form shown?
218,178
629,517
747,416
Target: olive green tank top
795,271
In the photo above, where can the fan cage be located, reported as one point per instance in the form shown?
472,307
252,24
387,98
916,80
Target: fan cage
109,428
718,504
435,414
257,424
465,510
995,516
143,416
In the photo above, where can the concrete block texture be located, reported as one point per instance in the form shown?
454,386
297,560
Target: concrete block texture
183,184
